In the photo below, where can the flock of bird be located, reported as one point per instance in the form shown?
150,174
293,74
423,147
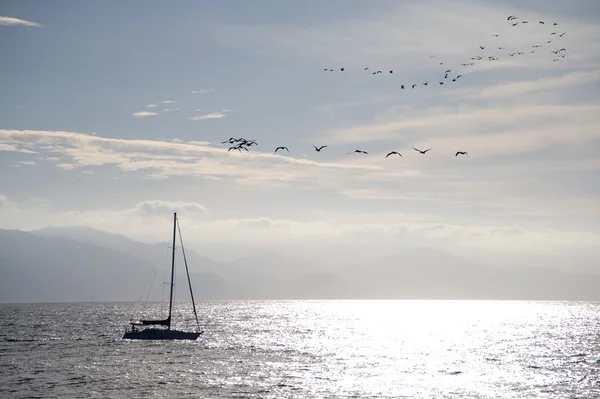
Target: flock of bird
558,54
240,144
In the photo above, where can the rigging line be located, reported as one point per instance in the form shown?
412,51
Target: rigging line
188,275
151,276
154,267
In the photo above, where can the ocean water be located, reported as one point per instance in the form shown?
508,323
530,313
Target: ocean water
306,349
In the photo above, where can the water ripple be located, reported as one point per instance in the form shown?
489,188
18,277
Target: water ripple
300,349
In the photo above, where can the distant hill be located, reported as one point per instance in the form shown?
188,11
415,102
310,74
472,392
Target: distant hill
42,269
146,252
426,273
81,264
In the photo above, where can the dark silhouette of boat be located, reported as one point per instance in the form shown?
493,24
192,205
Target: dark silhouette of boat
164,331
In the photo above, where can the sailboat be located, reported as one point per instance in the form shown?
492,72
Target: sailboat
160,332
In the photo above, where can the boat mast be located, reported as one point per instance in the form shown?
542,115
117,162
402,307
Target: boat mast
172,268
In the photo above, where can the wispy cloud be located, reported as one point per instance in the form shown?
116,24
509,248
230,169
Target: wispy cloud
12,148
507,90
501,130
9,21
152,105
144,114
68,166
169,102
211,115
170,109
158,206
161,159
203,91
143,219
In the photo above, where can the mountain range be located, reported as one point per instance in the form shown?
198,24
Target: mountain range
82,264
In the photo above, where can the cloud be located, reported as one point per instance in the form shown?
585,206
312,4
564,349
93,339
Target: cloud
519,88
211,115
152,105
12,148
9,21
68,166
499,130
158,206
446,30
146,220
203,91
30,163
168,102
162,159
170,109
143,114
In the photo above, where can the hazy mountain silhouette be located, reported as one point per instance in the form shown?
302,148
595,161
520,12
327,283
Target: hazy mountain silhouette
91,265
43,269
428,273
140,250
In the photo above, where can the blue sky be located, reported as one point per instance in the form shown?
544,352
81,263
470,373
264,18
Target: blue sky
112,116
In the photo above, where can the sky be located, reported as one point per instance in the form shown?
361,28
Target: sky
112,116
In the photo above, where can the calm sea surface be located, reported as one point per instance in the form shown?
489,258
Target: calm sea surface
306,349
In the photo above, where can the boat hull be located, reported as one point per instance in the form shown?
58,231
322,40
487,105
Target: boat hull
160,334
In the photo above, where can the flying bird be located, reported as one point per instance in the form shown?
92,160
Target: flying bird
422,152
413,86
425,83
282,148
461,153
562,34
391,71
402,86
482,47
441,83
342,69
358,151
542,22
511,17
494,35
393,152
318,149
